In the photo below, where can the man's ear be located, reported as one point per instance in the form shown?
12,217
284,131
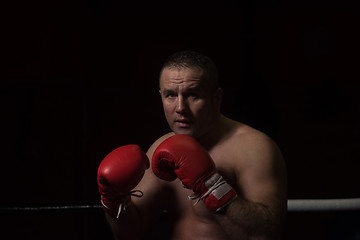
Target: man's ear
218,97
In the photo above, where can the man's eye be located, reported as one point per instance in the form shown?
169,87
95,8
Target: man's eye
193,95
170,95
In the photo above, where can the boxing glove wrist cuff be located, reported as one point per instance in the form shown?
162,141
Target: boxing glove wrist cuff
114,208
219,193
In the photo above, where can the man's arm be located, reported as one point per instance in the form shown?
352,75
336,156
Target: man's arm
141,212
260,182
260,210
118,173
127,226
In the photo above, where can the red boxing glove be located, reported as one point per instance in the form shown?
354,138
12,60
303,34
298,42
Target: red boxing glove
181,156
118,173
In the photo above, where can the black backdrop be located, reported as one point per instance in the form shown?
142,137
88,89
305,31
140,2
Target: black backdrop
79,78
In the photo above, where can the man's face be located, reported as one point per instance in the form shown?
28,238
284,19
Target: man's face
189,104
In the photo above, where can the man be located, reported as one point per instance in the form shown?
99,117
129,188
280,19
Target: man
247,163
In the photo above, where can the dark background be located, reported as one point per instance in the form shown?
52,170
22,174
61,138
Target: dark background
79,78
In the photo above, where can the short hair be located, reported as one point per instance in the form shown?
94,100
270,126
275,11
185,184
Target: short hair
192,59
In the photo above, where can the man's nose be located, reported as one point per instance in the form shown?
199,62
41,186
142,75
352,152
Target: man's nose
181,105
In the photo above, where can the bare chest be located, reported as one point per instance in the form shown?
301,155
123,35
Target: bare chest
194,219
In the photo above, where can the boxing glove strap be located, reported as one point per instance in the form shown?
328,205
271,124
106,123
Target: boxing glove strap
124,202
220,192
215,181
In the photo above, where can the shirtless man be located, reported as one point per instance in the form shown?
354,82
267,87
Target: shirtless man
249,161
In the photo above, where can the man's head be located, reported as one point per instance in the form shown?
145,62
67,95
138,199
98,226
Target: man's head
194,60
190,94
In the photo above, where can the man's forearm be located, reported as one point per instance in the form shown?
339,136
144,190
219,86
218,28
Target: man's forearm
250,219
128,225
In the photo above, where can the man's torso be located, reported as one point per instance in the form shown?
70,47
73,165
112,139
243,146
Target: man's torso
195,221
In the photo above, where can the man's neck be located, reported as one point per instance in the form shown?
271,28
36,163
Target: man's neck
215,134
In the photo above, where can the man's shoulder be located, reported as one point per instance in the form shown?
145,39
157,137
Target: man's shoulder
251,152
247,140
257,146
244,133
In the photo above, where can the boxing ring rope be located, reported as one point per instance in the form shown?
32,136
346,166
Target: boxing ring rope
294,205
51,209
307,205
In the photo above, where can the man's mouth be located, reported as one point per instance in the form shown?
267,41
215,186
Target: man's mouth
183,122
